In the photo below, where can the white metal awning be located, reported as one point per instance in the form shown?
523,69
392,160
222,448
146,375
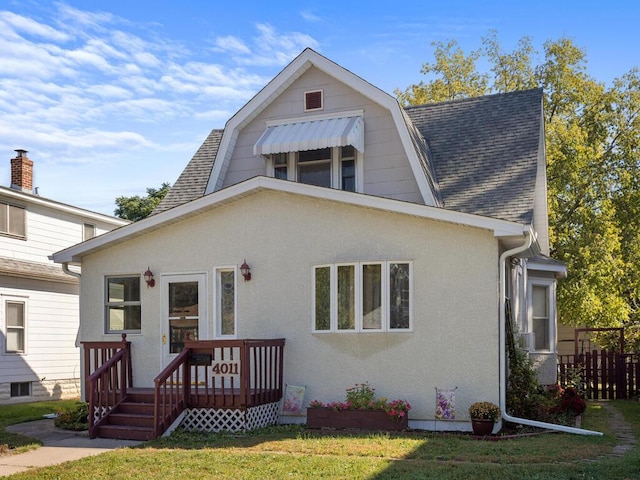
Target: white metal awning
312,135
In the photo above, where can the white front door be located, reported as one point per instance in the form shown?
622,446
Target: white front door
184,312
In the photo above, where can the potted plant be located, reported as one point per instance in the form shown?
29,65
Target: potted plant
483,416
361,410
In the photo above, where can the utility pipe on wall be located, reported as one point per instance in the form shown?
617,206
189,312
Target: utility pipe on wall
503,360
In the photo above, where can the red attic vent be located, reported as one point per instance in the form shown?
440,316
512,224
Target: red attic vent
313,100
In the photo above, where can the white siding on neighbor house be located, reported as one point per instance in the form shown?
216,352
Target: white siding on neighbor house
387,172
51,361
454,342
51,331
48,231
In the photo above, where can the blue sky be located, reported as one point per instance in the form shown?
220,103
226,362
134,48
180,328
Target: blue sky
112,97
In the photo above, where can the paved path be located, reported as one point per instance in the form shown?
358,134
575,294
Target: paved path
58,446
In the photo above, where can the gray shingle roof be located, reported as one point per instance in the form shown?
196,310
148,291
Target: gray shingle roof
192,182
479,155
485,152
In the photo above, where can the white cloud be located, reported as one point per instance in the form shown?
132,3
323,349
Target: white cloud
232,44
310,16
31,27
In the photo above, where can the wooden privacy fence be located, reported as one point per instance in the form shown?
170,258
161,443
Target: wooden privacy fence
604,374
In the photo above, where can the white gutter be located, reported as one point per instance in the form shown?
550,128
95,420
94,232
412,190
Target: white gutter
68,271
503,360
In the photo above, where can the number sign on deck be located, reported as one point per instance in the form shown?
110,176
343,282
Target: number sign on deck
225,368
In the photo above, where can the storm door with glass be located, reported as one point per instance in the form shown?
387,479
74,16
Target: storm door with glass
184,312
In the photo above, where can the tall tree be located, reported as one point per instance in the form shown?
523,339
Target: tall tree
136,208
593,167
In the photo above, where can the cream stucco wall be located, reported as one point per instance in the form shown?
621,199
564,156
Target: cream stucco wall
454,342
387,172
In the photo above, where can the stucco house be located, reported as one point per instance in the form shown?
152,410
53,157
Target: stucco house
39,313
366,241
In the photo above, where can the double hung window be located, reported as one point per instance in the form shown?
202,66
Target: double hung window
362,297
16,320
541,314
122,307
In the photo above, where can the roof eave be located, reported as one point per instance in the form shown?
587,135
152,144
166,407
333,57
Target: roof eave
500,228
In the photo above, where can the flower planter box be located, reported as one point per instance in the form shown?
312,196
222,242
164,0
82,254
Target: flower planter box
358,419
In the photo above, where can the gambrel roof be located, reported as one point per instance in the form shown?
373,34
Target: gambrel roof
485,152
477,155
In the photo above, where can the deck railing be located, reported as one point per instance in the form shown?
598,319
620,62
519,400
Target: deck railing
171,392
107,387
219,374
97,354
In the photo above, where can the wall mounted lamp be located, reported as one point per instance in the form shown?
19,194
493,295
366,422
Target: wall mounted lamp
245,270
148,277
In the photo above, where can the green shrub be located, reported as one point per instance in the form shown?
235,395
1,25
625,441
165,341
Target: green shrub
73,418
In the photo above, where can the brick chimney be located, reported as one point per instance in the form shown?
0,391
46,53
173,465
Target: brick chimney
22,172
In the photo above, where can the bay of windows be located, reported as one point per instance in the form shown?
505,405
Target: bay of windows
362,297
333,167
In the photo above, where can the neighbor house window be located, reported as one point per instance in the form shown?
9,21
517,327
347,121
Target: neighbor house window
123,309
20,389
362,297
541,314
12,220
88,231
16,319
226,304
335,167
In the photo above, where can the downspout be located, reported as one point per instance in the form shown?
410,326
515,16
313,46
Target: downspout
503,360
68,271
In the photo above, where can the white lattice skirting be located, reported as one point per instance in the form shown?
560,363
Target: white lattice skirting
231,420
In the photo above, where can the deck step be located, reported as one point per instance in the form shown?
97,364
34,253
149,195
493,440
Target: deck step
131,419
135,408
125,432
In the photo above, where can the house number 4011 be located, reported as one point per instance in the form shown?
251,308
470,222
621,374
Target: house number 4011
225,368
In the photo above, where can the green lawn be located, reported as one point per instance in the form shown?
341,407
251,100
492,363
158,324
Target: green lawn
293,452
25,412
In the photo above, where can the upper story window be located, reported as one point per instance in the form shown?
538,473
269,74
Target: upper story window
13,220
362,297
334,167
123,311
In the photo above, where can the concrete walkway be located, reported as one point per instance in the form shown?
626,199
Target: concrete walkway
59,446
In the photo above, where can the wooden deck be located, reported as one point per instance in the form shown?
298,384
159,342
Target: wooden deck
213,374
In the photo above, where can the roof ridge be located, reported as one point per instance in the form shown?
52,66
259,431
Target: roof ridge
477,98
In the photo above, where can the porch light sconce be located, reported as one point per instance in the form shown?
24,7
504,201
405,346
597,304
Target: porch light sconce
245,271
148,277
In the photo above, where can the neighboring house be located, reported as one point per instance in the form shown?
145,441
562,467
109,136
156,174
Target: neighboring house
39,314
383,243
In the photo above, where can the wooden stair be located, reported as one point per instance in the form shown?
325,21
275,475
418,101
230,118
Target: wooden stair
131,419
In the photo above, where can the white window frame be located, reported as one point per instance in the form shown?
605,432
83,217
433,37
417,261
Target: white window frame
217,313
7,213
550,285
304,100
127,303
25,315
336,168
359,327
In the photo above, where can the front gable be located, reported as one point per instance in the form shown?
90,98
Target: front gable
393,165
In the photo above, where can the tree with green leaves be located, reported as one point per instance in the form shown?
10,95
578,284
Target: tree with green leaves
136,208
593,166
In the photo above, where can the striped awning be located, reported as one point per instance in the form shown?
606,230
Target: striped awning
312,135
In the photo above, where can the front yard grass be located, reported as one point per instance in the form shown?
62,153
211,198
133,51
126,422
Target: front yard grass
25,412
294,452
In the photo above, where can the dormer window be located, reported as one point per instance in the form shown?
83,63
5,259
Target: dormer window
322,150
313,100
